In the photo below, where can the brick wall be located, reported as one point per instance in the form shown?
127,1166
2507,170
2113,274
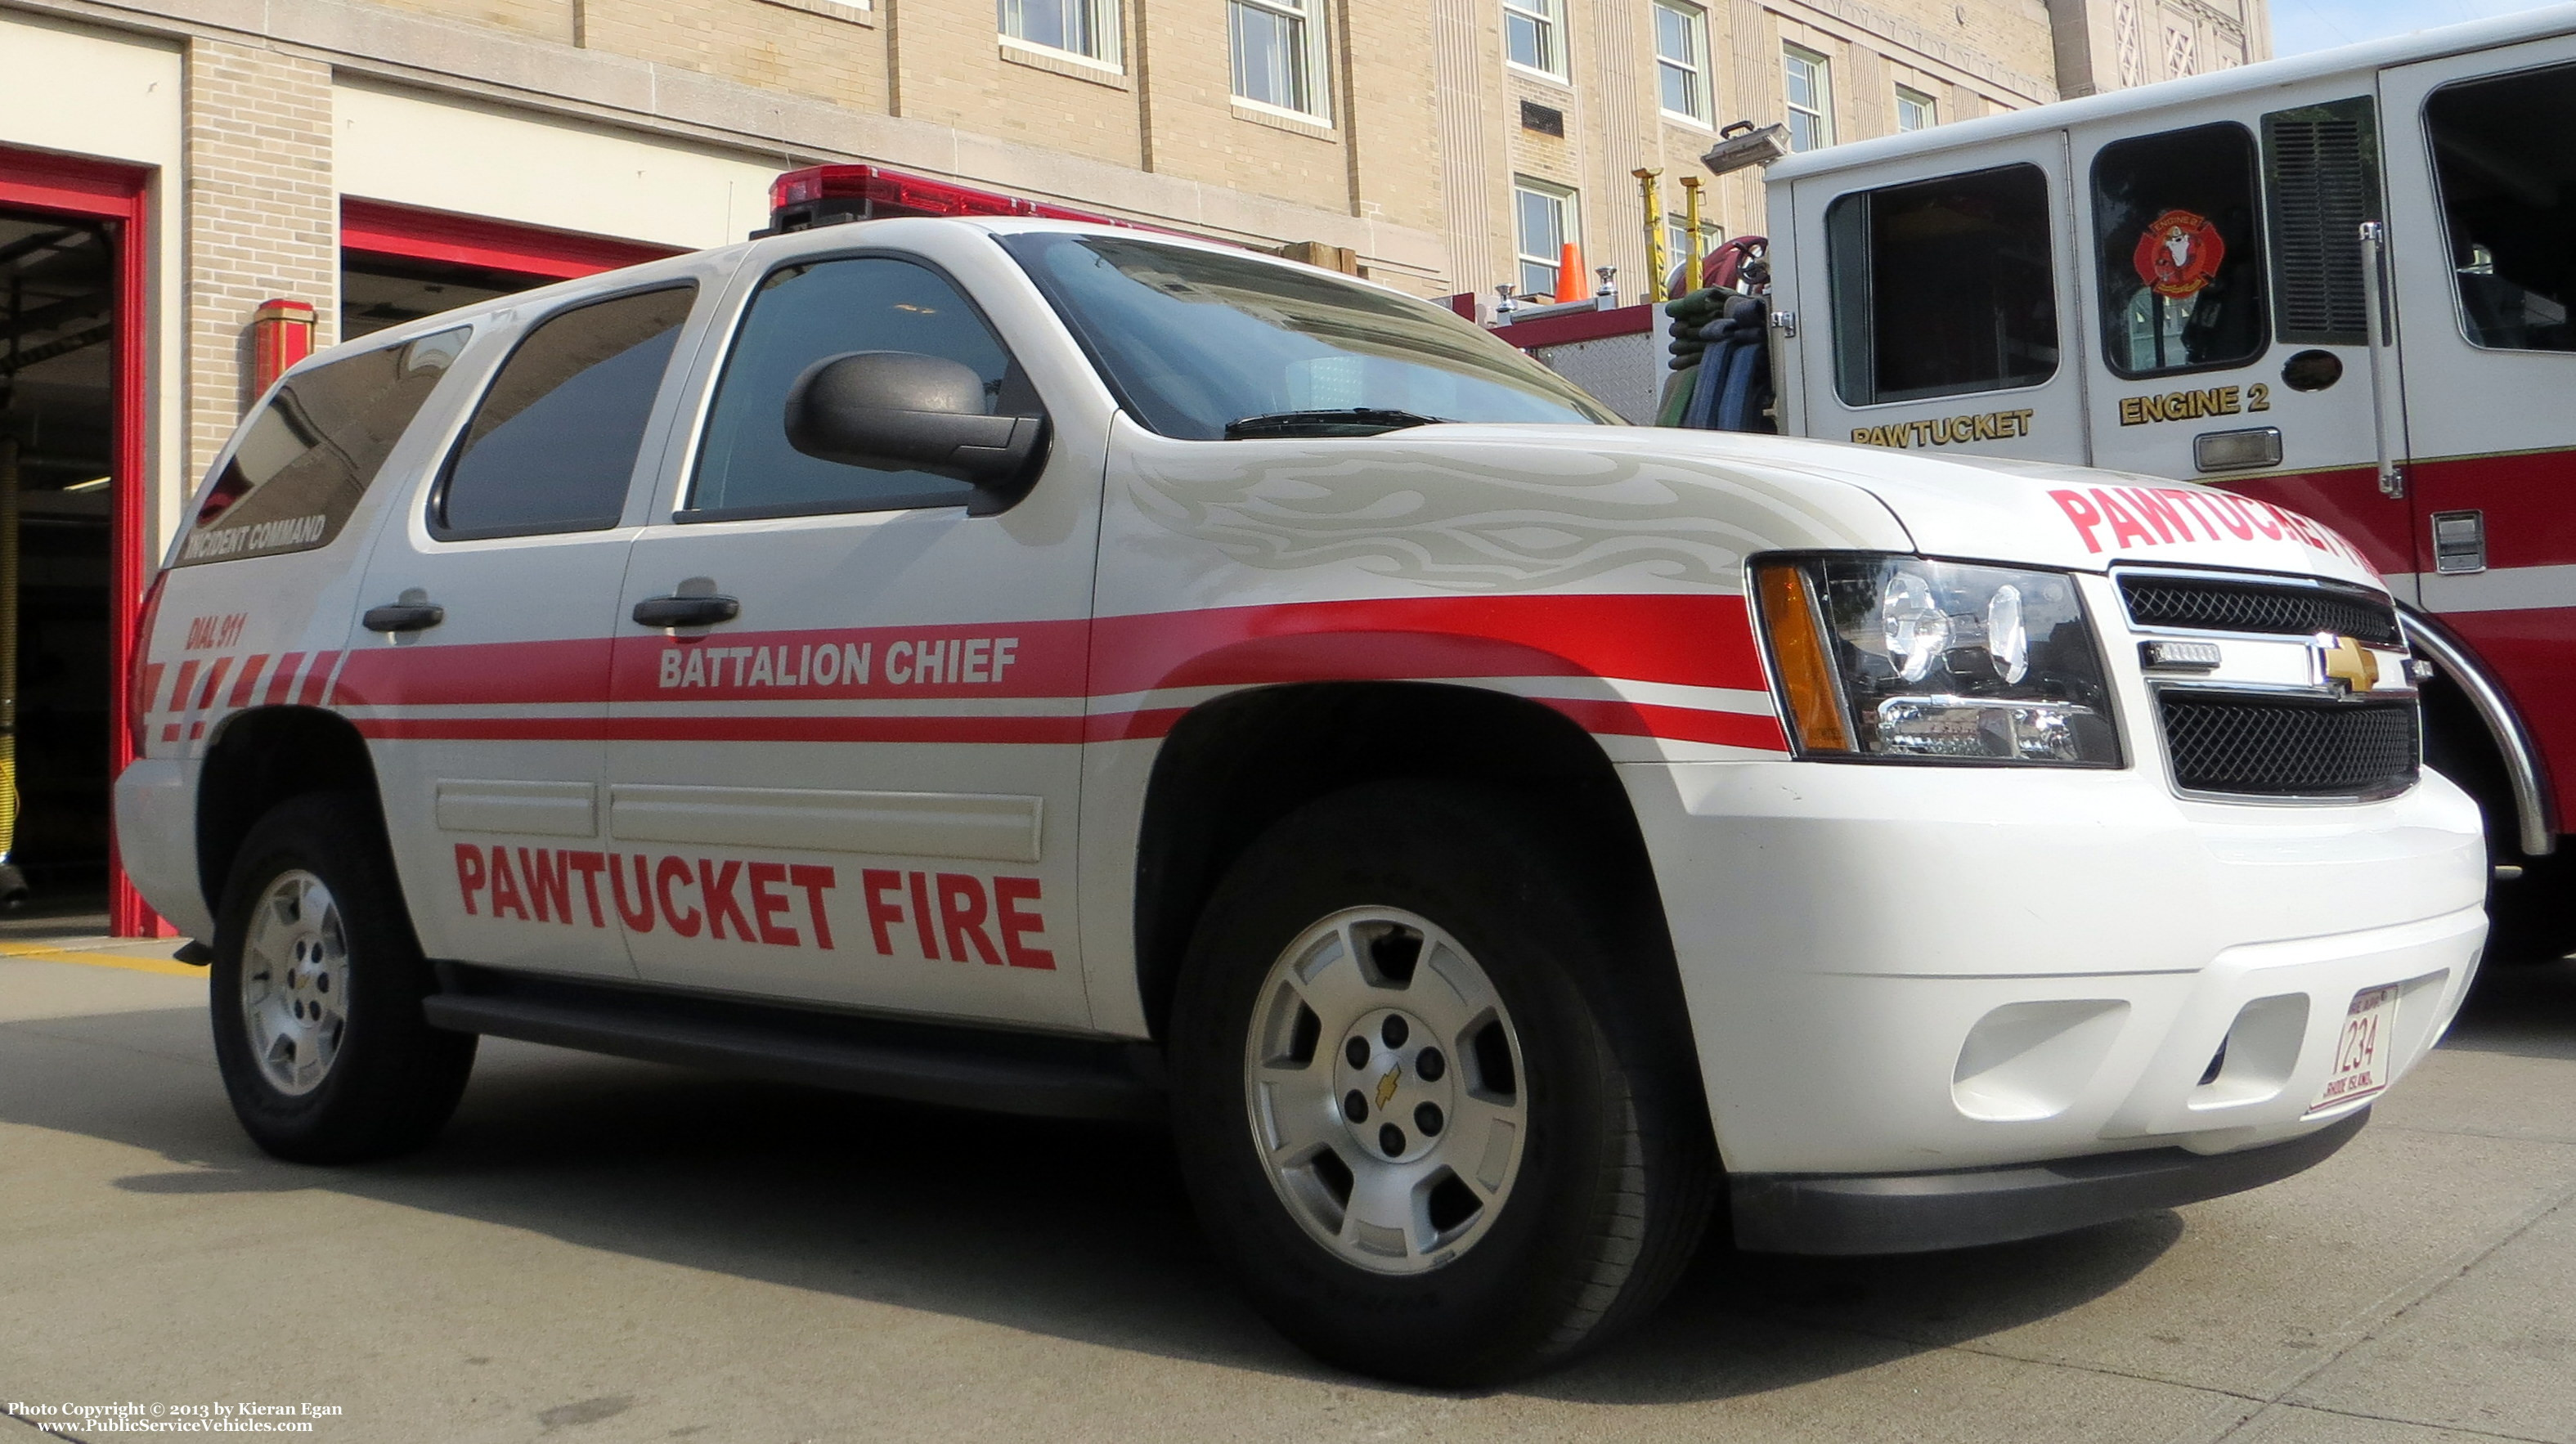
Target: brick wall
556,20
262,218
827,52
954,67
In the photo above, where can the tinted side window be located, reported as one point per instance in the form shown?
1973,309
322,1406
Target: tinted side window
553,444
808,312
1942,287
311,452
2180,251
2507,173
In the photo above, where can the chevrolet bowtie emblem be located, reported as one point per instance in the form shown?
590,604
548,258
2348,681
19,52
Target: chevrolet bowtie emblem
1386,1085
2347,661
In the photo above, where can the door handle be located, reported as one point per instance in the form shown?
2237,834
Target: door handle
404,617
686,611
2387,395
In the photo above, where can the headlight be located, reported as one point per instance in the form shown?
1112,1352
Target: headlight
1904,658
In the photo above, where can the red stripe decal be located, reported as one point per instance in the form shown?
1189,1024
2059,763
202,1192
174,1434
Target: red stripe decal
730,729
179,687
1702,640
424,674
984,659
214,682
317,679
247,683
150,697
281,679
1610,718
1698,641
1132,726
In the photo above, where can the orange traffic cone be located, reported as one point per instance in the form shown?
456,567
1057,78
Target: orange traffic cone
1570,275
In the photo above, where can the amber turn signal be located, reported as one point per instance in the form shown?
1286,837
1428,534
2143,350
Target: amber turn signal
1799,655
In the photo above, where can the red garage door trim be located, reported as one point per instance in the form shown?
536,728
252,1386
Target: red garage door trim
385,229
70,185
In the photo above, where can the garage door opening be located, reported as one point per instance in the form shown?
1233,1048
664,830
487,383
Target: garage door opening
58,423
379,291
399,263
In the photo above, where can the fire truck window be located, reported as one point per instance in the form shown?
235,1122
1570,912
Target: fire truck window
802,314
313,449
2180,251
2508,181
553,445
1942,287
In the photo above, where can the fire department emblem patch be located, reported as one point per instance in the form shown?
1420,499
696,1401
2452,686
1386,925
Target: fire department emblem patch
2179,253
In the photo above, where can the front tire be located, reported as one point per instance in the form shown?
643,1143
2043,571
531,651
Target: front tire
316,992
1427,1091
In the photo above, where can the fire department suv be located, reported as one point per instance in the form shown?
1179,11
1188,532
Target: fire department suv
1057,669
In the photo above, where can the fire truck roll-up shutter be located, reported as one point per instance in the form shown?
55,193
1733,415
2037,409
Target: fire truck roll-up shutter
2322,163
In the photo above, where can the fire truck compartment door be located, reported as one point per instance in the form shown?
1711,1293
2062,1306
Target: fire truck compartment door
1937,310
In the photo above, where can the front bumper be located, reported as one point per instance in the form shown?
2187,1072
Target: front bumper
1918,1212
1915,970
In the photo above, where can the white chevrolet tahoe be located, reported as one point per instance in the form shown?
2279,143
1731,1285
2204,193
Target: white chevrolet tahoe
1070,671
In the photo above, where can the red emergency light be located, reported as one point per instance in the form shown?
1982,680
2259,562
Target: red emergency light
826,195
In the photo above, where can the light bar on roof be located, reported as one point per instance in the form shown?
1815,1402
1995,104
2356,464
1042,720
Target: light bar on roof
825,195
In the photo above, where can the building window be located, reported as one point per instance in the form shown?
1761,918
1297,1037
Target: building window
1681,59
1277,58
1088,28
1809,86
1915,110
1533,36
1677,245
1544,219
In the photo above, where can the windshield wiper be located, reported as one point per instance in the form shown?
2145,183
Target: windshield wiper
1349,421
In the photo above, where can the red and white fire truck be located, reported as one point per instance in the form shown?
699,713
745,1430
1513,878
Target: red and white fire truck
2339,282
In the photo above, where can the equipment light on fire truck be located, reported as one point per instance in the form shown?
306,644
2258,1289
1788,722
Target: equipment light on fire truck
1909,659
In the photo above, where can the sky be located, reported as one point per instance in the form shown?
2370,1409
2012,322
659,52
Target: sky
2299,26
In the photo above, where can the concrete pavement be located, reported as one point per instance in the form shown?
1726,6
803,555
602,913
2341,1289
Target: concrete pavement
603,1250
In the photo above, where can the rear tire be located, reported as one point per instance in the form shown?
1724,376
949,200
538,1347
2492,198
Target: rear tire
1571,1178
316,992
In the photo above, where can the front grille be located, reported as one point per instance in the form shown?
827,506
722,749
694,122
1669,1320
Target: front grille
2260,747
2213,605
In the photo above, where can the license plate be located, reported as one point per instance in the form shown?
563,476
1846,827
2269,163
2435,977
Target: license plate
2361,1058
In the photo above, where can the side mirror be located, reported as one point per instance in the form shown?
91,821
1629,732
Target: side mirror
904,411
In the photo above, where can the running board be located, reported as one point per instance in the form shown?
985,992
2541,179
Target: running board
1036,1075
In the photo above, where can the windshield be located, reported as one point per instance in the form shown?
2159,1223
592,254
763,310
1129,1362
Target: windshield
1193,340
